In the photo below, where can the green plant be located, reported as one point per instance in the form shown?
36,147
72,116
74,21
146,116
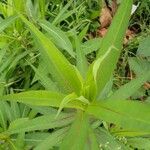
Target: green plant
90,114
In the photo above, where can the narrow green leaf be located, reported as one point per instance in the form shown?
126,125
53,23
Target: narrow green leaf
3,121
34,138
57,36
83,33
41,98
77,135
20,141
92,142
6,22
139,142
39,123
14,106
138,66
81,59
123,113
144,47
130,88
42,6
42,74
52,139
30,9
106,140
91,45
63,72
61,14
107,57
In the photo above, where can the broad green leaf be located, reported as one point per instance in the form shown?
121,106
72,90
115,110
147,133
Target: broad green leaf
7,111
77,135
106,140
24,110
34,138
107,90
52,139
91,45
6,22
3,121
139,142
45,110
148,99
41,74
14,106
130,88
124,113
57,36
20,141
92,142
39,123
107,57
138,66
67,77
41,98
2,52
144,47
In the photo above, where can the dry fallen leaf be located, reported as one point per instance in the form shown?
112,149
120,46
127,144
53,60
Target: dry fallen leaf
147,85
114,7
129,36
107,14
102,32
105,17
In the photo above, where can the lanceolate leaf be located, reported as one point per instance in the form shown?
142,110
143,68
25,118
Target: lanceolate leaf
130,115
105,139
53,139
144,48
57,36
81,59
67,77
91,45
111,45
130,88
77,136
139,142
92,142
41,98
39,123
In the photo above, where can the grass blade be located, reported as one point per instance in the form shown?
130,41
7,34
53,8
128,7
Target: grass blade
6,22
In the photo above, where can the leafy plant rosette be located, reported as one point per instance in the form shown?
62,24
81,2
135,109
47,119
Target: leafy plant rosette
88,116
